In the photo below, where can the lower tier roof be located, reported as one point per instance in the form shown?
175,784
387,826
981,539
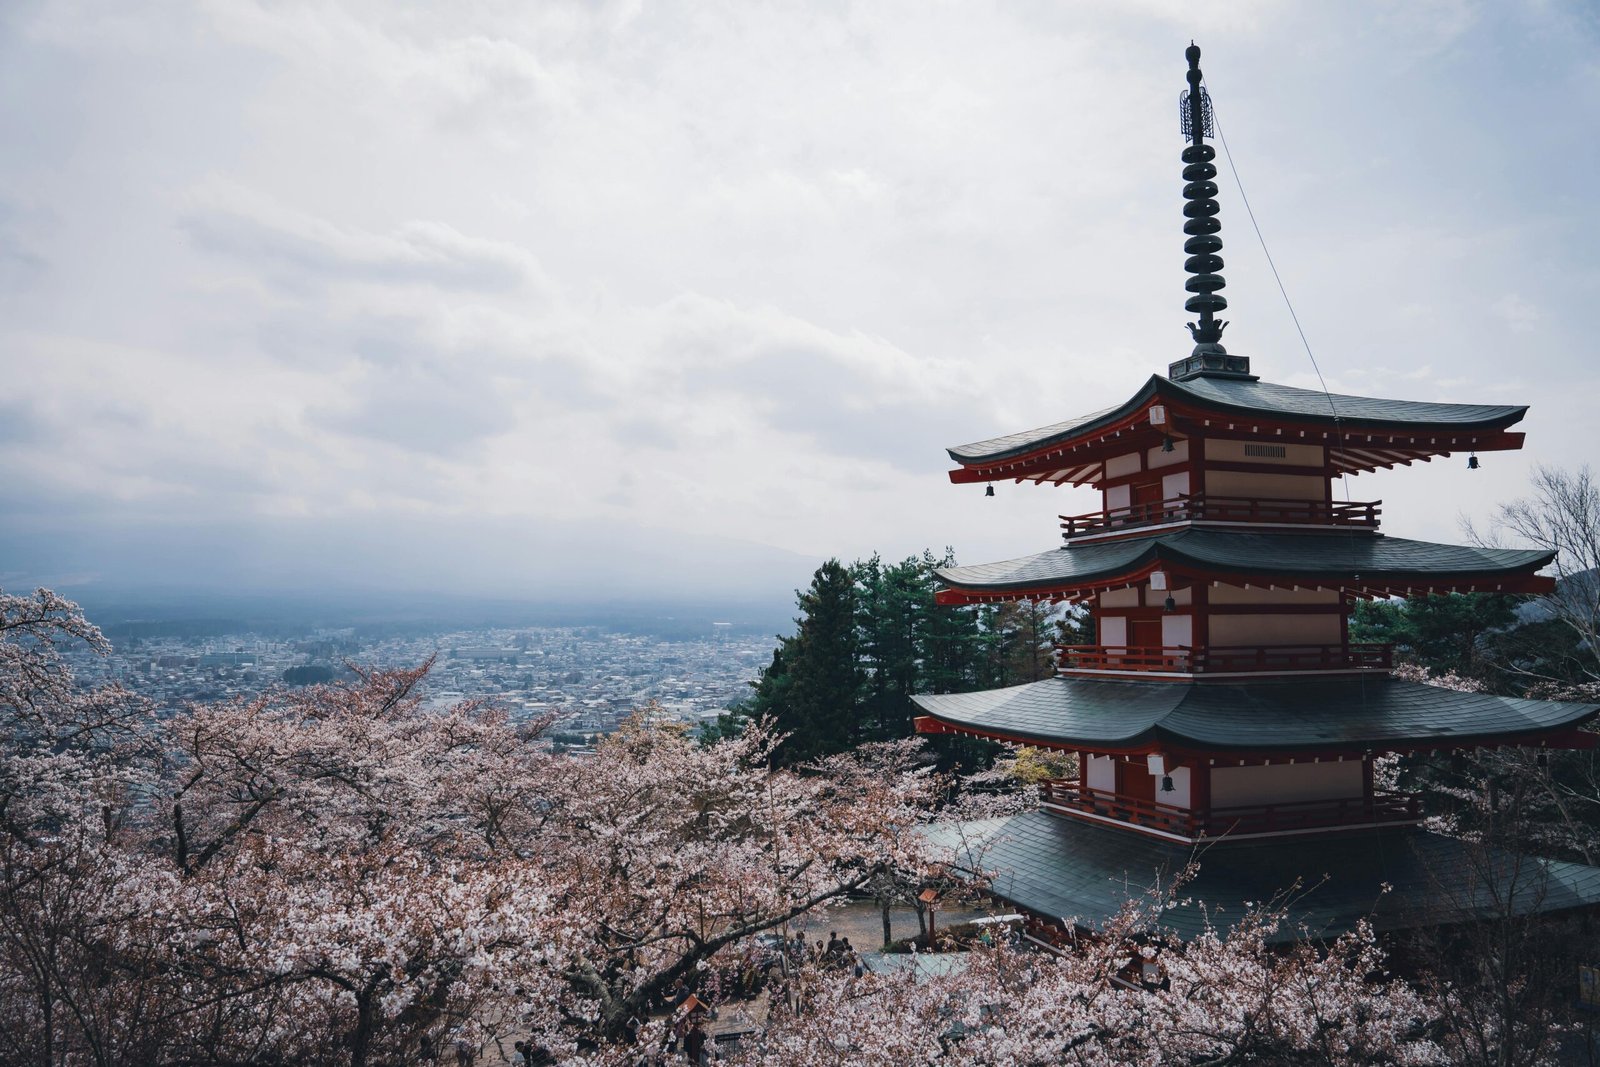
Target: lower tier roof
1065,869
1299,714
1354,559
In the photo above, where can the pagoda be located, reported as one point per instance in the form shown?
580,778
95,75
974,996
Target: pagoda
1224,706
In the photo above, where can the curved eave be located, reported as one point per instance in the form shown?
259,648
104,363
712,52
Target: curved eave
1264,719
1029,442
1369,565
1071,451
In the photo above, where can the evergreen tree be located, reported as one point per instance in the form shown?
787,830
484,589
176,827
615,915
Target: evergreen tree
894,601
868,638
949,640
1446,634
814,686
1019,638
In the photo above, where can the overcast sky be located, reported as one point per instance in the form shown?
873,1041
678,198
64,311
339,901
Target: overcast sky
605,281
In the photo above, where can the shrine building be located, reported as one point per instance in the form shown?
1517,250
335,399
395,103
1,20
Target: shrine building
1223,714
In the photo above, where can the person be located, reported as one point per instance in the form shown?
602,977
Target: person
679,992
833,945
519,1057
694,1044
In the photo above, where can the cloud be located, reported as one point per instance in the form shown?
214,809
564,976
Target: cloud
20,423
1519,314
230,221
736,268
418,408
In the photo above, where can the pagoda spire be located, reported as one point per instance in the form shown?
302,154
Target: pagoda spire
1200,191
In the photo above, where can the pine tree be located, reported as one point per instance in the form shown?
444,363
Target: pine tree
814,686
950,641
892,602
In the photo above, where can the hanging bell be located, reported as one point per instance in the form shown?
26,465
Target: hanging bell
1166,442
1472,462
988,491
1169,605
1166,784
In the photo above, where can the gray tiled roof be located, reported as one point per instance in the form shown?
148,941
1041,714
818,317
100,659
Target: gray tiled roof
1305,713
1263,399
1062,868
1340,555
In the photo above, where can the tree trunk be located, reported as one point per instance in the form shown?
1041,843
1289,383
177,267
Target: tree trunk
888,938
361,1038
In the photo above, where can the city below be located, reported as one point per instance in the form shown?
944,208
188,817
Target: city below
589,678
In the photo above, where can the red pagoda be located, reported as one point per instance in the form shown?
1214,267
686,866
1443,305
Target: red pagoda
1224,703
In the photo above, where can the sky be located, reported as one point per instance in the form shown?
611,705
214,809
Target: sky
539,298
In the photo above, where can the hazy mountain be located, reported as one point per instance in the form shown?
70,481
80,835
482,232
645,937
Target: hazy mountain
462,570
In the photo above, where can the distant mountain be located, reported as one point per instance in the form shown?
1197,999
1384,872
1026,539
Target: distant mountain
1580,590
445,571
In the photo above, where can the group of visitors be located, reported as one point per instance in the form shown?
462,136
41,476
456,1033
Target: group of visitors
530,1054
838,954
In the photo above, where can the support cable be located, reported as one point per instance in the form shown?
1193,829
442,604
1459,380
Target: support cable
1333,408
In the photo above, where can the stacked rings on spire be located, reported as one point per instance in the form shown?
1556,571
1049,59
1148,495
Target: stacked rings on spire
1203,244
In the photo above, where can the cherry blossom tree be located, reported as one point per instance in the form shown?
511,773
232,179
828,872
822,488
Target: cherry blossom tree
347,874
344,874
1222,998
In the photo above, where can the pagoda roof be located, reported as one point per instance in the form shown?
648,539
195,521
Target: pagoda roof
1068,870
1353,559
1311,714
1257,399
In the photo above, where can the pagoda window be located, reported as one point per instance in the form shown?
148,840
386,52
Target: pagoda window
1286,783
1246,485
1272,455
1276,630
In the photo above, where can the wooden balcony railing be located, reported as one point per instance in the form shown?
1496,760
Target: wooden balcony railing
1202,508
1253,819
1177,659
